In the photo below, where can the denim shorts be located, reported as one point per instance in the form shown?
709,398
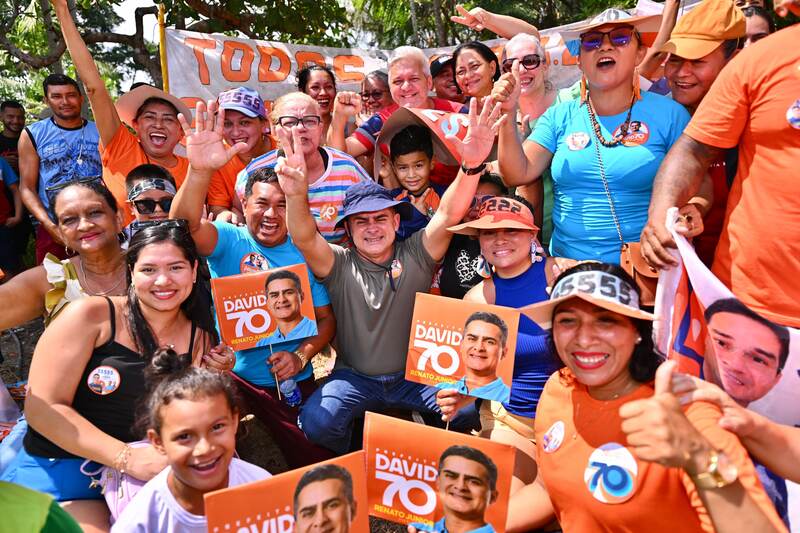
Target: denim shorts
60,478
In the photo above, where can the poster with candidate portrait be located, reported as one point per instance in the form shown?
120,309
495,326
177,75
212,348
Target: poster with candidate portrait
423,476
713,335
264,308
464,346
327,496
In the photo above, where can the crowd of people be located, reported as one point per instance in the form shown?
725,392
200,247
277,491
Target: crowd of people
558,204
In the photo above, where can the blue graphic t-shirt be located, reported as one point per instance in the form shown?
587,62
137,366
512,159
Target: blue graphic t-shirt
64,154
238,252
583,227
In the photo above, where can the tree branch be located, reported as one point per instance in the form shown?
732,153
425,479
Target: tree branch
241,22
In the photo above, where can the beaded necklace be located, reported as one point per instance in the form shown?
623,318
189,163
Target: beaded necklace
623,130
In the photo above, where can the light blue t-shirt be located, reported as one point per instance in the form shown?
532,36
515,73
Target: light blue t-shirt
440,527
496,391
237,252
305,328
583,227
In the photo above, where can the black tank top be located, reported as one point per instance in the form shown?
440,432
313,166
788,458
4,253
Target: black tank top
108,395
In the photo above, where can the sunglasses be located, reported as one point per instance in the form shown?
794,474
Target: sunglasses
147,206
375,95
619,37
309,121
529,61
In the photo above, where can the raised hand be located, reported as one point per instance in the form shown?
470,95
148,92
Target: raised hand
347,104
656,428
291,169
507,88
481,133
474,19
205,146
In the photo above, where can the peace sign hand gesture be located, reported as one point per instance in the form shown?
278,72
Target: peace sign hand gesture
481,133
291,169
205,147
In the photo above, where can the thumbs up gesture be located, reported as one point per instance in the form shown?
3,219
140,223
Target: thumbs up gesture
659,432
506,89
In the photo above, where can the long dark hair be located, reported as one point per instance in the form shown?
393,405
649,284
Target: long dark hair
645,358
304,76
484,51
171,376
198,312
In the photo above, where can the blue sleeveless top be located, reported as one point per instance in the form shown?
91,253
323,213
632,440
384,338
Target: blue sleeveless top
64,154
533,362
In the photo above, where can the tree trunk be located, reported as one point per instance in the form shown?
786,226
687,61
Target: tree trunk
441,29
414,23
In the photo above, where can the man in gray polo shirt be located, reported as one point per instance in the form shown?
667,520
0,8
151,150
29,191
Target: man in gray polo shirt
372,285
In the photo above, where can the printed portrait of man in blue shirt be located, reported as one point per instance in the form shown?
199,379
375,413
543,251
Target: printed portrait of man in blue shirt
482,348
284,301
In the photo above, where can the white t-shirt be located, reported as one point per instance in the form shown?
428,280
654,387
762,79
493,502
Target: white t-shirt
155,510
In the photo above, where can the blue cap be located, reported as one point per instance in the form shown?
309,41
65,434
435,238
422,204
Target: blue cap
244,100
368,197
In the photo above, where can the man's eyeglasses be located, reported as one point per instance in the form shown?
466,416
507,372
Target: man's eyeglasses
147,206
374,95
619,37
309,121
529,62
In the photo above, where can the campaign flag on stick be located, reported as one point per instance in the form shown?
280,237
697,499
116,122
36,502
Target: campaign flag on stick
465,346
294,500
412,470
264,308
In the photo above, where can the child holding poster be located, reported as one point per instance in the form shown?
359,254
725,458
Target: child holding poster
192,419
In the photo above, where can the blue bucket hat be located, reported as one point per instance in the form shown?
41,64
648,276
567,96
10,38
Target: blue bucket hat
368,197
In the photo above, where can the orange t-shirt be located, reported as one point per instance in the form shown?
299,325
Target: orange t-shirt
596,484
220,190
123,154
749,105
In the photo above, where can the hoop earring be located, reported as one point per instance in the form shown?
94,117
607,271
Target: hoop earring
637,89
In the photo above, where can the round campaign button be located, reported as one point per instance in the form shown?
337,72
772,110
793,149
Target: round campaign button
610,474
103,380
553,437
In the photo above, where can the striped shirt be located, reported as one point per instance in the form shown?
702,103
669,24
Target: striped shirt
325,195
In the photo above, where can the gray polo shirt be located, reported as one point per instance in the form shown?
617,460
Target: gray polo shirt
372,320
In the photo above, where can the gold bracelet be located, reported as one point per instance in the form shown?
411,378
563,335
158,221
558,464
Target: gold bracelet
121,460
303,359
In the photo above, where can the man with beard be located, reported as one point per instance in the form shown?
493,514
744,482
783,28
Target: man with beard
12,115
56,150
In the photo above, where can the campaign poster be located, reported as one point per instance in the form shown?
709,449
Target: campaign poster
264,308
714,336
327,496
466,346
422,475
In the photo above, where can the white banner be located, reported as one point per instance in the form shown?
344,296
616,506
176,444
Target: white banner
202,65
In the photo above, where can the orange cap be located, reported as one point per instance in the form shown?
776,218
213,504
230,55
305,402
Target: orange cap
705,28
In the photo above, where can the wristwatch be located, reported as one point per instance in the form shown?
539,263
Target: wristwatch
472,171
719,473
303,359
